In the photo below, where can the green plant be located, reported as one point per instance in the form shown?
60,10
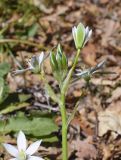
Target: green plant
63,75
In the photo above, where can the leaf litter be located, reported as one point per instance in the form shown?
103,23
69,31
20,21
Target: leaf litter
95,131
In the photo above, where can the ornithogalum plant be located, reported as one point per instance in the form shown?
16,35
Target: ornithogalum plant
63,75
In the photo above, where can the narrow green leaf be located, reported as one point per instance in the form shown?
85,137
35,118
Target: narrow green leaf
64,61
59,49
53,61
33,30
13,107
59,60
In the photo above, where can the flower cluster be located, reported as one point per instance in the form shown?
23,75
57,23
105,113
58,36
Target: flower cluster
59,62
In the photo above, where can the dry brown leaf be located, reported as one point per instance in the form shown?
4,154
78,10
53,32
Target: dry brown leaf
115,106
106,151
104,82
85,149
77,93
109,27
92,9
109,121
89,54
104,1
115,95
47,66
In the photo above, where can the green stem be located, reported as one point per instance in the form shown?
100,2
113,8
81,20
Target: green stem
67,80
63,108
64,128
61,103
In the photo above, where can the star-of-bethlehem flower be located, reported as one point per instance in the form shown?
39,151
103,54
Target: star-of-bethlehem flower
34,64
23,153
81,35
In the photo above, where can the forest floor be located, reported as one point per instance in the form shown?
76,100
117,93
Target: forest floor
95,131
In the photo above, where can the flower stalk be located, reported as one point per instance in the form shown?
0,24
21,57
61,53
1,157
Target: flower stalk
64,128
63,108
67,80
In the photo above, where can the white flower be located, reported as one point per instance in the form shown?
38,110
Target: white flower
87,73
36,61
34,64
81,35
23,153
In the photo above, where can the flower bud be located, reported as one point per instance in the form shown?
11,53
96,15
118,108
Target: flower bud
81,35
59,64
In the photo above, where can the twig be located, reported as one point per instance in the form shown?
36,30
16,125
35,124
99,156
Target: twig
23,42
46,107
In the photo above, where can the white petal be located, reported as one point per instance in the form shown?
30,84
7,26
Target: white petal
30,65
32,62
78,74
86,30
11,149
13,159
90,33
33,148
74,33
75,29
40,58
21,141
88,36
35,158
